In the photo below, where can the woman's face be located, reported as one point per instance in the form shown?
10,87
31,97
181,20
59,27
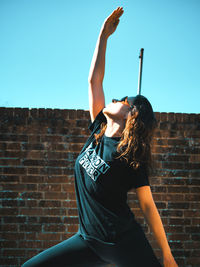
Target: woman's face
117,110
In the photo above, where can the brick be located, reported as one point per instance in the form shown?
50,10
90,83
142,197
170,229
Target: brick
56,179
14,187
9,178
177,189
69,203
5,261
195,159
72,228
163,116
68,171
54,228
14,219
31,195
36,146
56,195
158,189
195,221
50,219
49,187
192,197
71,220
49,236
30,244
195,237
181,253
68,188
13,137
192,244
14,170
75,139
195,253
10,203
30,228
7,244
174,181
193,261
54,212
172,213
172,173
34,138
179,237
32,236
32,162
11,162
32,219
31,187
60,163
50,171
179,221
12,236
49,203
72,212
31,179
72,195
72,114
191,213
8,228
8,211
192,229
51,138
180,205
31,211
194,173
13,146
48,244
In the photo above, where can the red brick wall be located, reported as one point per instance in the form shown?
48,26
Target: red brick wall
38,148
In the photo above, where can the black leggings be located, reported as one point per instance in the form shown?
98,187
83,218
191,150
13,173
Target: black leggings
132,250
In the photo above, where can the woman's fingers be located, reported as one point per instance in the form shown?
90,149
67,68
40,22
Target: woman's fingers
117,12
115,16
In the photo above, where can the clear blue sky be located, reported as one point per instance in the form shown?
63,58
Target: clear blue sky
47,46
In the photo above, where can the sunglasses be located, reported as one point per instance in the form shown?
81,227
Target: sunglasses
125,100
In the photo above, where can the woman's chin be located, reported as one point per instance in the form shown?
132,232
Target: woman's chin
106,111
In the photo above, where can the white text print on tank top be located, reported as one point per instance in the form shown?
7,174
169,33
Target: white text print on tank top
93,164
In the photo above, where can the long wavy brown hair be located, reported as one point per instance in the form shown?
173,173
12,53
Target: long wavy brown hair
135,143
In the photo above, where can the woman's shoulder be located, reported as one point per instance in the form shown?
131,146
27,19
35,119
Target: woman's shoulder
100,118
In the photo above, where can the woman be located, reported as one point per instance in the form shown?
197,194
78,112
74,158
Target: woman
115,158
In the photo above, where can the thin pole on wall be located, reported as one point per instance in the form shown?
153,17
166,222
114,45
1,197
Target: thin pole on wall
140,71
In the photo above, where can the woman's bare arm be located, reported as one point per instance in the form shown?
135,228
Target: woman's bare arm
153,219
97,68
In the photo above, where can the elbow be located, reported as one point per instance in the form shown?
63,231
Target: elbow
95,80
90,80
147,207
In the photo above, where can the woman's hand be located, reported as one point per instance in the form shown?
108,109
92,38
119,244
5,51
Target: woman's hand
110,24
169,261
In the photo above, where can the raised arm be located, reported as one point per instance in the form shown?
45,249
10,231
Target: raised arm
97,68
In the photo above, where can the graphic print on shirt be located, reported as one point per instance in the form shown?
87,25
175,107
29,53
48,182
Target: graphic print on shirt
93,164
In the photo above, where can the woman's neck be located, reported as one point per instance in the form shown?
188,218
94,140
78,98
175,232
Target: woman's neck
114,128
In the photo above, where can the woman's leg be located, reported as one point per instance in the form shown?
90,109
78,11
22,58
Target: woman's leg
135,250
132,250
73,252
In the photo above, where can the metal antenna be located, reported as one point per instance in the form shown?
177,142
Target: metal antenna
140,71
